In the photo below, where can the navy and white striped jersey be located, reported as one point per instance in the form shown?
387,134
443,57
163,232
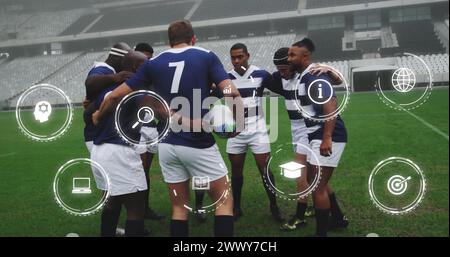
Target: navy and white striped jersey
251,87
287,88
315,128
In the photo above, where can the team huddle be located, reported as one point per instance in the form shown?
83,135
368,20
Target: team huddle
195,74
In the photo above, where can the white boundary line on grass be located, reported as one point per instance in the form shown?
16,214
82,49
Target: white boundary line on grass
424,122
7,154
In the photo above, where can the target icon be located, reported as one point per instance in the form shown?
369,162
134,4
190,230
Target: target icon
397,184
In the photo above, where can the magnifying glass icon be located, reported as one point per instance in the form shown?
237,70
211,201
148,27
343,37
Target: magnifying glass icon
146,113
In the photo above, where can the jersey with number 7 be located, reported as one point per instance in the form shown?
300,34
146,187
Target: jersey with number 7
187,73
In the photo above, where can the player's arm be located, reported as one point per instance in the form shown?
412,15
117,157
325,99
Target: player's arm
229,91
88,112
274,83
95,84
140,79
234,101
328,128
111,101
320,69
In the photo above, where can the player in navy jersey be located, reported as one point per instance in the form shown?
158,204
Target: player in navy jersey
127,184
285,81
101,76
188,72
327,139
148,132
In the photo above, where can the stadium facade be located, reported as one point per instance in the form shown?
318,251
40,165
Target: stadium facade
57,41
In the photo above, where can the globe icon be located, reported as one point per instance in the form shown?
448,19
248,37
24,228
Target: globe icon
403,80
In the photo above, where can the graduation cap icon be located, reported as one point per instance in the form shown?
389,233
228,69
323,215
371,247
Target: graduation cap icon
292,170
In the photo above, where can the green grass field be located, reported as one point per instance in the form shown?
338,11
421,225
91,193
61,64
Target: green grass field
376,132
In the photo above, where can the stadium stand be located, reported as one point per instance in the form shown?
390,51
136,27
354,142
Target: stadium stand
9,23
388,39
215,9
261,49
71,78
409,40
441,30
69,71
311,4
437,63
329,45
43,24
49,23
21,73
79,25
342,67
141,16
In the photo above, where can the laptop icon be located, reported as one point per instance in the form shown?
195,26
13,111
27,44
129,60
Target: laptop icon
81,186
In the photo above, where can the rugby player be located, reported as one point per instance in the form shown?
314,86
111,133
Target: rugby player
250,80
145,48
327,139
100,77
285,82
183,71
148,132
127,184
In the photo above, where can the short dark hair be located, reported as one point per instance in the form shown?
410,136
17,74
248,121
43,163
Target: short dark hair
180,32
239,46
306,43
143,47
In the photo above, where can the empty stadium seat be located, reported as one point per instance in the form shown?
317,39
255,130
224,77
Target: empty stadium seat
437,63
141,16
311,4
216,9
417,37
39,25
21,73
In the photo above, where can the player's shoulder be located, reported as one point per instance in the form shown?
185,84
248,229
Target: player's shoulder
259,72
101,68
185,50
276,75
231,75
309,78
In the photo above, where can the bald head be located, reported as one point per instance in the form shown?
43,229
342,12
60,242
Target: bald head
116,54
133,60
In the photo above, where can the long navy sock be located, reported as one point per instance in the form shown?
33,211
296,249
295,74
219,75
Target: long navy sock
109,220
336,212
322,216
199,196
301,208
269,191
179,228
134,228
236,185
223,226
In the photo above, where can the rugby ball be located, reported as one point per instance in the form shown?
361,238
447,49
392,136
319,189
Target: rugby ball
222,121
